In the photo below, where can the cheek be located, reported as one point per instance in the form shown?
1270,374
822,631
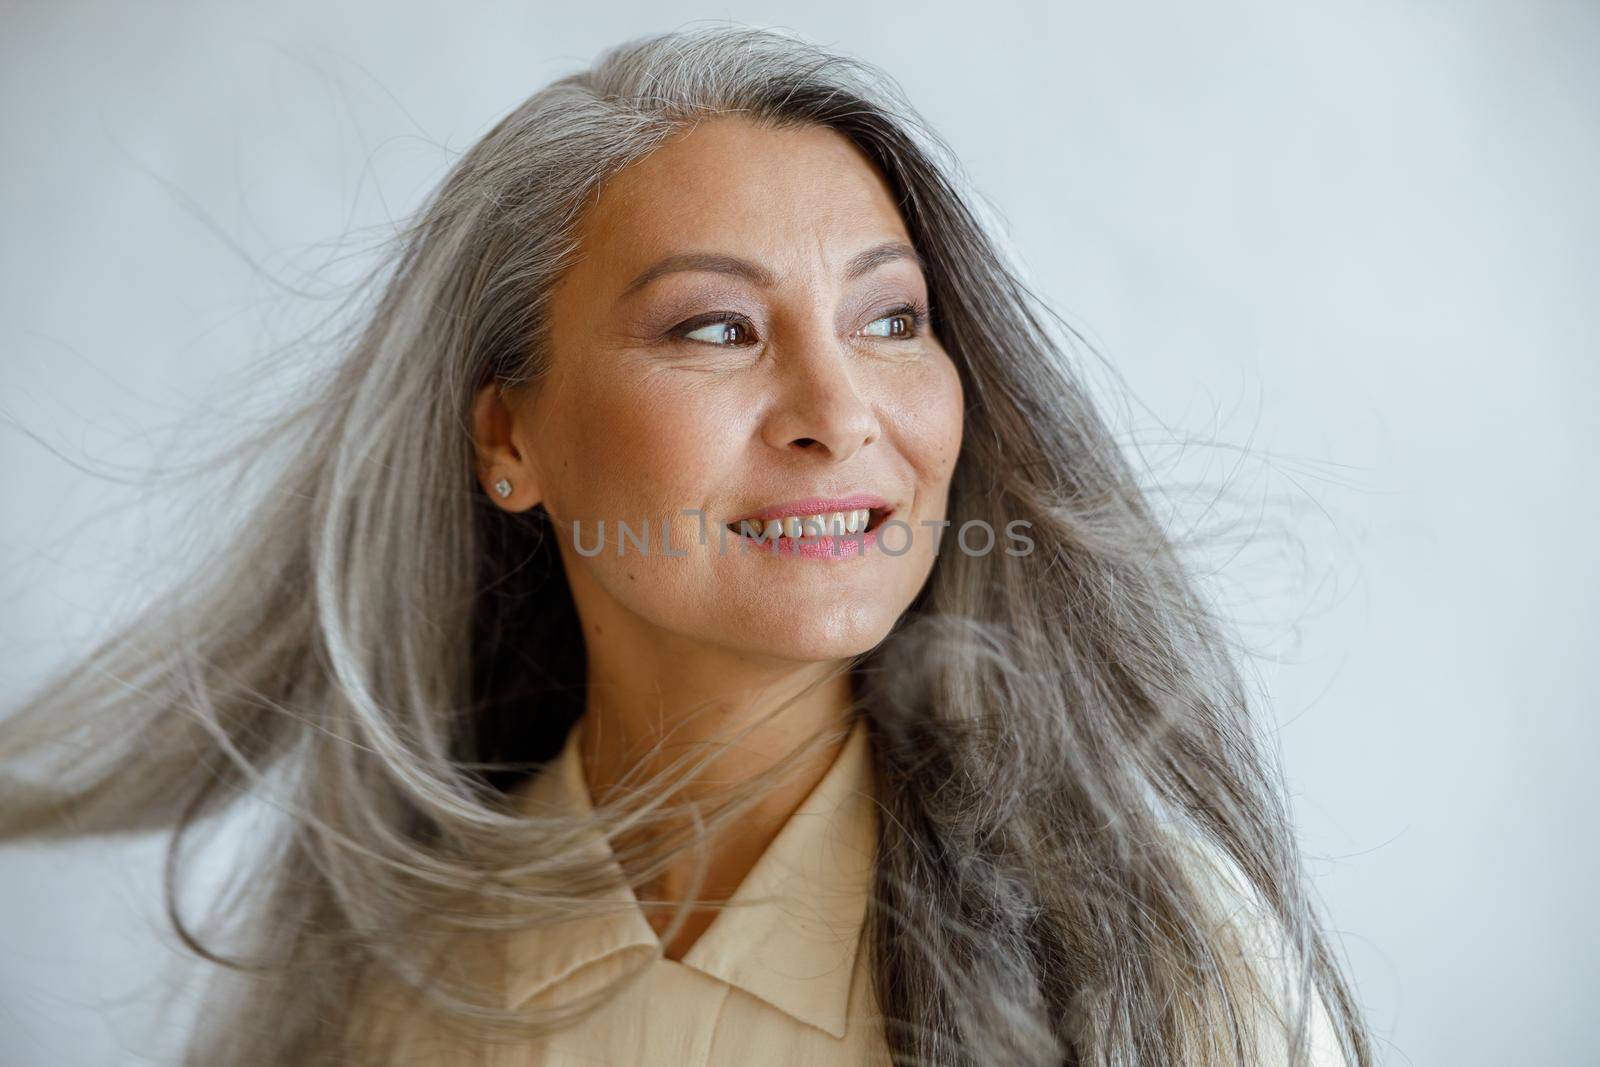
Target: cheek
638,445
928,416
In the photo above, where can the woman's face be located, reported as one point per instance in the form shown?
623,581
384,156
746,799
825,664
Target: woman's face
734,340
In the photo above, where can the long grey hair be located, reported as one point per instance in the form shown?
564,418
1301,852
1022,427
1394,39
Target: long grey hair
381,654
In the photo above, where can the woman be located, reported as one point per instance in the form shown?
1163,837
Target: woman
705,621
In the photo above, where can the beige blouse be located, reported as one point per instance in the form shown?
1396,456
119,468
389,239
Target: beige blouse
781,982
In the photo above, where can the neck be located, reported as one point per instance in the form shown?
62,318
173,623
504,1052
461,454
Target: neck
646,709
639,720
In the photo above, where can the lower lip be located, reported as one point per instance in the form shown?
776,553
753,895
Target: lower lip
829,547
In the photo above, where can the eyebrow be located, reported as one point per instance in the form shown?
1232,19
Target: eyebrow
718,263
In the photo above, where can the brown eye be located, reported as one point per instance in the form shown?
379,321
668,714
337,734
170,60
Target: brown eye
899,326
722,333
900,323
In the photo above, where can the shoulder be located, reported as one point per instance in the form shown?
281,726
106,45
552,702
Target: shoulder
389,1022
1266,958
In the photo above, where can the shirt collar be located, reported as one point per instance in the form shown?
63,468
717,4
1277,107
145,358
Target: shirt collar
796,952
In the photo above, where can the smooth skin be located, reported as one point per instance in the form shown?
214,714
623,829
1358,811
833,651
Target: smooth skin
813,384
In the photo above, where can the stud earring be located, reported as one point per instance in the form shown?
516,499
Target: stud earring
503,487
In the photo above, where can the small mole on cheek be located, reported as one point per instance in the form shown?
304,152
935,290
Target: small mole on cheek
632,576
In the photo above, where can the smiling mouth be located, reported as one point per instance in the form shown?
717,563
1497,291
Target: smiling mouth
853,522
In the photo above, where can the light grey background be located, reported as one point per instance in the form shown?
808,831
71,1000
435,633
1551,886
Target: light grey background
1347,248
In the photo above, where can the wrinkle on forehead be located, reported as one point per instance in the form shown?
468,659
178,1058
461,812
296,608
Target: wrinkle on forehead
681,197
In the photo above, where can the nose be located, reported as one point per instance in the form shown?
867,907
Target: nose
819,407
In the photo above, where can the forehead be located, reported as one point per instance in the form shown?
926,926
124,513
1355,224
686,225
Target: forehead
787,196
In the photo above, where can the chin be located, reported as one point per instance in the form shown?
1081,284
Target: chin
821,640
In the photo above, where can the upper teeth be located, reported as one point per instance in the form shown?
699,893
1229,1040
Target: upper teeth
835,523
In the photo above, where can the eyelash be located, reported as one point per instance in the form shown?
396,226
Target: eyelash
915,310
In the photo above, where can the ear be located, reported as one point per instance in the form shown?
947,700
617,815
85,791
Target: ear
495,415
